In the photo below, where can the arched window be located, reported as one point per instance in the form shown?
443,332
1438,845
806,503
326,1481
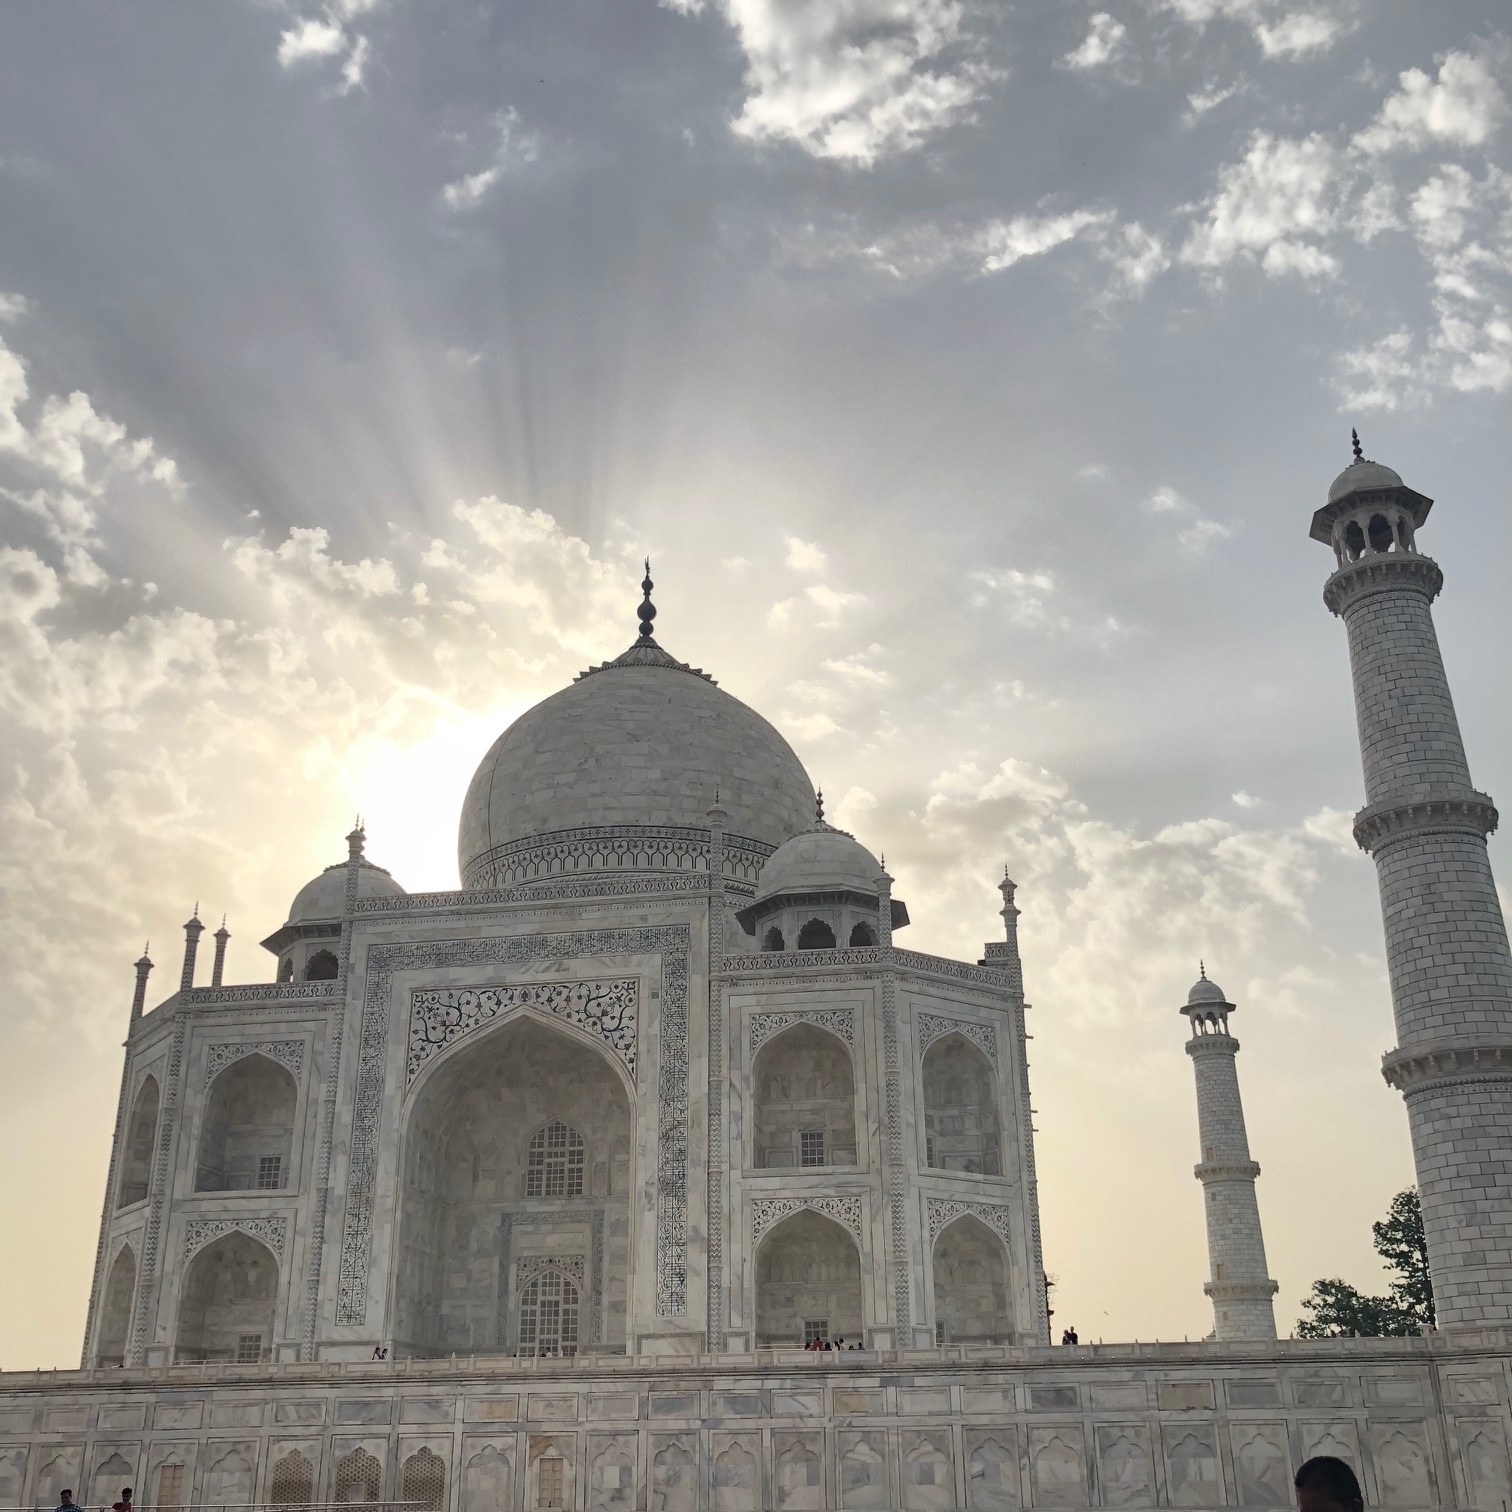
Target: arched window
772,939
226,1311
141,1135
115,1316
961,1123
1381,537
321,967
286,969
861,934
816,935
248,1134
1354,541
423,1480
808,1279
804,1093
357,1478
554,1164
293,1481
548,1323
971,1285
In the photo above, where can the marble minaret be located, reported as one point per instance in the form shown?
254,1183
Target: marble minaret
1425,826
1238,1284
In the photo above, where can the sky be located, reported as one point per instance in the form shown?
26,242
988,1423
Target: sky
970,372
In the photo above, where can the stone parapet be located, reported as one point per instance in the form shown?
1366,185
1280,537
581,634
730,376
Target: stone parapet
1379,824
1429,1065
1382,572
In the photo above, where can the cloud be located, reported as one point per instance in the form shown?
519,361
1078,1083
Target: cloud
1461,107
1202,101
857,669
1196,534
1268,205
805,556
854,82
1245,800
12,307
1103,43
515,147
1138,257
329,35
310,39
1300,33
1007,242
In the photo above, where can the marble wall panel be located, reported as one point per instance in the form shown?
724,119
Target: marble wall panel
245,1414
1395,1391
1468,1390
1120,1396
1253,1393
370,1410
126,1416
1483,1458
548,1455
488,1478
735,1472
57,1468
1403,1464
740,1404
927,1468
1184,1396
428,1410
228,1479
1125,1465
298,1412
491,1409
170,1415
858,1403
1057,1466
922,1399
862,1466
994,1476
1321,1393
611,1470
1339,1438
12,1474
674,1472
114,1469
798,1472
808,1404
1262,1467
1191,1457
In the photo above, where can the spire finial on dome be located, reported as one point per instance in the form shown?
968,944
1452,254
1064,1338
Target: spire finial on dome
647,608
1359,451
356,840
819,809
1202,969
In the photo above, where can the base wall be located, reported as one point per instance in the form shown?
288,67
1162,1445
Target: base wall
1424,1421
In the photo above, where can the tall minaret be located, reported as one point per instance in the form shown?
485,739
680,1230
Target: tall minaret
1238,1284
1425,825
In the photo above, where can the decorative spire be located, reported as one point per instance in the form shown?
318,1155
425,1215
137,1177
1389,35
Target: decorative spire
1354,436
356,840
1202,969
647,608
218,967
139,994
819,809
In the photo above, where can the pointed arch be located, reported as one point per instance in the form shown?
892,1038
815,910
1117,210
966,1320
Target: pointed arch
971,1296
246,1138
141,1140
804,1100
816,935
293,1483
808,1273
772,939
115,1313
962,1122
226,1308
423,1480
322,966
357,1478
550,1318
861,935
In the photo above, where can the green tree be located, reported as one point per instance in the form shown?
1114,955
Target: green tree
1336,1309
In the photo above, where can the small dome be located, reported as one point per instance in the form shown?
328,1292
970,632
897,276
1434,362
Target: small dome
1204,991
820,860
323,898
1360,476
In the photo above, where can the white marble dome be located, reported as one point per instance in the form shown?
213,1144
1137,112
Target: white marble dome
643,742
1204,991
820,860
323,898
1360,476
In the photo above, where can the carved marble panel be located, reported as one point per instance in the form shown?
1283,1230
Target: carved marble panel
198,1232
487,1478
1483,1454
798,1471
1261,1465
944,1211
839,1021
611,1470
674,1472
928,1471
992,1469
735,1473
288,1053
1403,1463
766,1211
1192,1473
863,1470
1125,1466
932,1026
1057,1468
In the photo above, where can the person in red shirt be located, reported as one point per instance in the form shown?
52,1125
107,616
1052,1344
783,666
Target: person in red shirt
125,1504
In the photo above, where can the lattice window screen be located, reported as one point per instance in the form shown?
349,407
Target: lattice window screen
554,1163
293,1481
357,1478
424,1480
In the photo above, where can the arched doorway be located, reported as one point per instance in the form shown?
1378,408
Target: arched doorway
961,1122
247,1137
971,1285
808,1282
516,1169
115,1314
805,1101
141,1136
227,1306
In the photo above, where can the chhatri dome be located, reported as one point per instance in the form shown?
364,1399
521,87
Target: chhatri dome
644,745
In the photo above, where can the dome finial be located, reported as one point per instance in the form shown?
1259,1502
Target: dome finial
1359,451
819,809
1202,969
647,608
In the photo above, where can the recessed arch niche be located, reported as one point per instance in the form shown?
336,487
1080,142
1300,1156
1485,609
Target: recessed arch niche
804,1091
971,1284
247,1137
962,1127
115,1315
517,1155
226,1308
141,1137
808,1272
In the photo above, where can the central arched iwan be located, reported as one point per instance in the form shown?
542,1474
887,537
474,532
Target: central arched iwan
805,1101
517,1153
971,1285
808,1282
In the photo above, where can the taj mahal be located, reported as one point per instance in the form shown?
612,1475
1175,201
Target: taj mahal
532,1193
